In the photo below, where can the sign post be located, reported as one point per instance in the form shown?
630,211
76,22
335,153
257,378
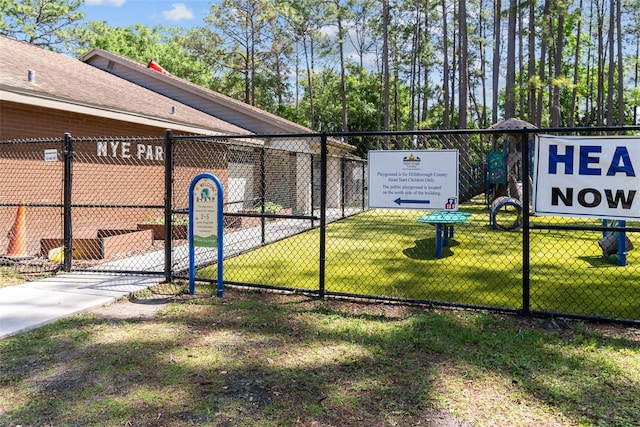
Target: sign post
205,222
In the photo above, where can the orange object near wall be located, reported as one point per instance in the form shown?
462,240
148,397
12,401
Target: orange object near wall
18,234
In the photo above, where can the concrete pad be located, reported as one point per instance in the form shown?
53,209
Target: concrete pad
23,309
96,284
33,304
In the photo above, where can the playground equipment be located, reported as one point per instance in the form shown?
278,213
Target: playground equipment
504,192
504,177
509,210
615,245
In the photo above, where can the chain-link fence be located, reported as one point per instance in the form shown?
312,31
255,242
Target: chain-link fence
277,189
82,204
31,178
296,217
500,257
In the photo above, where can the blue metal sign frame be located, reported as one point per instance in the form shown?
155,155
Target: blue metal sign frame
220,228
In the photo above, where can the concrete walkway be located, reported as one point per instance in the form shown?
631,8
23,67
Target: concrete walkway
34,304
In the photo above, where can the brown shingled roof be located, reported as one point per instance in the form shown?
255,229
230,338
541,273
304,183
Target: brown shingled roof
249,117
70,80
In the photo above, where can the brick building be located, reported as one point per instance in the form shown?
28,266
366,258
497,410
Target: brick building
122,109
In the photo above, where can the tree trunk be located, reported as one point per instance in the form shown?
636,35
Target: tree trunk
556,109
385,65
612,61
621,112
531,68
343,78
463,65
463,88
445,70
600,71
497,13
510,104
543,59
576,70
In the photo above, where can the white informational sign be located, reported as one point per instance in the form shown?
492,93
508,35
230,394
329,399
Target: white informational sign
587,177
51,155
413,179
205,213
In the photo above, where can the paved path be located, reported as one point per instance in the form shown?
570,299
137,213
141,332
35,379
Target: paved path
33,304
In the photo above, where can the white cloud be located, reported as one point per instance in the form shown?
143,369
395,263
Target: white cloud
178,12
104,2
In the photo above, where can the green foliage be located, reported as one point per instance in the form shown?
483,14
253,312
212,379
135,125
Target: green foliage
363,101
43,23
143,44
269,207
283,57
159,220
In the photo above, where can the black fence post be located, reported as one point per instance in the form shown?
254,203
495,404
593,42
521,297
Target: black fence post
263,191
343,186
67,152
313,223
323,214
168,205
526,202
364,183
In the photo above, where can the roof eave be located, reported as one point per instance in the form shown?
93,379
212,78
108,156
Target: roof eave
38,99
286,126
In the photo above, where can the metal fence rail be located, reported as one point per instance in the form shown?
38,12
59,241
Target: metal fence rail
296,217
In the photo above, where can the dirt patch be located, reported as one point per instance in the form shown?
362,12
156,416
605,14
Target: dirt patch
131,308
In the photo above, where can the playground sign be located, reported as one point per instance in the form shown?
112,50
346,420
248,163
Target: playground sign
205,221
587,177
414,179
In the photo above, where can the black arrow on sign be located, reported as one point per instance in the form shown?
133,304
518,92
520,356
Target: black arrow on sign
400,201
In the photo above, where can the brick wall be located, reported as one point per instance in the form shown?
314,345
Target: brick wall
19,121
101,177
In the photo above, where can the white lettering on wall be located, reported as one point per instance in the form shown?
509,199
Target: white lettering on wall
116,149
125,150
101,148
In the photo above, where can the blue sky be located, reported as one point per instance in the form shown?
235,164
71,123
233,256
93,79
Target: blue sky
120,13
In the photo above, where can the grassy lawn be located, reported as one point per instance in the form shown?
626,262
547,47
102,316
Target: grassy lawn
8,277
257,359
388,253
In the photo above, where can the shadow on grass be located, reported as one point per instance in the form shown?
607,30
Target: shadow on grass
255,359
425,249
600,261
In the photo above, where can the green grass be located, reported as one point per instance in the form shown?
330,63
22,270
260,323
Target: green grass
388,253
254,359
9,278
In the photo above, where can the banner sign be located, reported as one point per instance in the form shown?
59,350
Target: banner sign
587,177
419,179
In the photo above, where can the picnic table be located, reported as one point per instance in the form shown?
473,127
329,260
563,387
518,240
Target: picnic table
444,222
